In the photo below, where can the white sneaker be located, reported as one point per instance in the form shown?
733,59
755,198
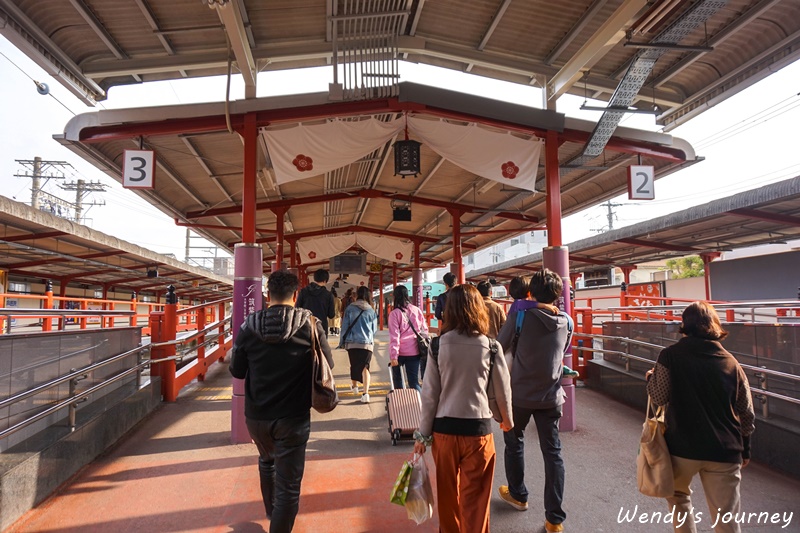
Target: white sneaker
365,398
353,389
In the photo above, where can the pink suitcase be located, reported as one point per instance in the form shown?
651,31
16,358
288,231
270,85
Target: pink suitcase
403,408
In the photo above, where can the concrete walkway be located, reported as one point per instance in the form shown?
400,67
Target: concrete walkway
178,472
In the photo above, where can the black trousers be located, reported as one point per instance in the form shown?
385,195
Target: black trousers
281,445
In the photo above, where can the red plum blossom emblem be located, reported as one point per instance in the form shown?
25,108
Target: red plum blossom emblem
312,255
398,256
510,170
303,163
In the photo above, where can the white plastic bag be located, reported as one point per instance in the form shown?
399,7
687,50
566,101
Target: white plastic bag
419,502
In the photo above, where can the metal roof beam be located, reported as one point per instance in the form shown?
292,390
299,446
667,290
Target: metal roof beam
151,20
34,236
658,245
493,26
766,217
233,20
67,259
746,18
771,60
597,46
588,15
28,37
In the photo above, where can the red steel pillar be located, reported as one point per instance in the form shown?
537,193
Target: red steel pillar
381,307
556,258
135,309
416,278
278,263
169,333
62,294
394,274
47,324
707,258
293,257
626,271
456,267
248,271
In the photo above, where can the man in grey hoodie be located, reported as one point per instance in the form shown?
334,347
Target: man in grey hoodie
273,355
536,392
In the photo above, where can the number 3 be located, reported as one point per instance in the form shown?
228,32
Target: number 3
139,168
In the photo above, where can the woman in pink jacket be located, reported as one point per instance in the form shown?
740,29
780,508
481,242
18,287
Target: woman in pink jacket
404,320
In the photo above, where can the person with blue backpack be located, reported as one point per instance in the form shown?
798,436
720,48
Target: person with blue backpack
535,356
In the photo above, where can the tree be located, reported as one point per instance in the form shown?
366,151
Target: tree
687,267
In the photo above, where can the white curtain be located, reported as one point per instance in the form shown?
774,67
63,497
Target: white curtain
386,248
495,156
312,250
305,151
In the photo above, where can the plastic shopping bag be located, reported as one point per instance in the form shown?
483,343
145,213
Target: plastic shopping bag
400,489
419,502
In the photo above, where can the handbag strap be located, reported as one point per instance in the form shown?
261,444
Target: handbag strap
517,331
409,322
492,353
658,411
353,323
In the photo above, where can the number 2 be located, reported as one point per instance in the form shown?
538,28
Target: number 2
642,188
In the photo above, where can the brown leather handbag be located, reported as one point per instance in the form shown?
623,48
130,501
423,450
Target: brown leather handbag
324,398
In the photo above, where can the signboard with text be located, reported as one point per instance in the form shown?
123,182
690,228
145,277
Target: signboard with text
139,169
640,182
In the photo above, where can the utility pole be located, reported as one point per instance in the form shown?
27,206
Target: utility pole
82,189
37,169
610,216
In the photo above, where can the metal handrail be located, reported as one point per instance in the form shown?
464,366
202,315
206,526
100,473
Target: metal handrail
193,308
24,311
758,370
69,401
67,377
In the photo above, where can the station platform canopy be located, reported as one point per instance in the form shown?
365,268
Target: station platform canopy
766,215
38,245
683,56
198,178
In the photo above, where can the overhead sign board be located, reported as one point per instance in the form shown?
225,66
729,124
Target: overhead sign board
138,169
640,182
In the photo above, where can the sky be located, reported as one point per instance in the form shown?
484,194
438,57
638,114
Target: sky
748,141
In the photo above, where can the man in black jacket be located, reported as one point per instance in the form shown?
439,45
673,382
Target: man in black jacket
318,299
273,355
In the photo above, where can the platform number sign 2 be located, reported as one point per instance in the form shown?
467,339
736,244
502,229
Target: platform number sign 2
138,169
640,182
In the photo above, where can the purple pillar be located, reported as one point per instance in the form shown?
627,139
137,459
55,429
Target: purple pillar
556,258
247,275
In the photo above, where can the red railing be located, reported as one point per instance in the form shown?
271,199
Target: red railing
208,320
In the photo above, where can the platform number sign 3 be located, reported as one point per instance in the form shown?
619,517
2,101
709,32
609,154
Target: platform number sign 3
138,169
640,182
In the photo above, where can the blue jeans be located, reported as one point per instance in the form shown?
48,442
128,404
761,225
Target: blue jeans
546,421
411,362
281,447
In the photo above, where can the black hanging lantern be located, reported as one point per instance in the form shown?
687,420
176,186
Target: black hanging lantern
406,156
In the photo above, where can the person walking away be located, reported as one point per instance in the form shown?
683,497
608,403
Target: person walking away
273,355
359,325
347,299
449,280
317,299
536,370
456,417
496,314
404,319
709,418
336,321
519,288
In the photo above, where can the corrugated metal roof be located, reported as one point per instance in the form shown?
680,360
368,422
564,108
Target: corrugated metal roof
511,40
760,216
